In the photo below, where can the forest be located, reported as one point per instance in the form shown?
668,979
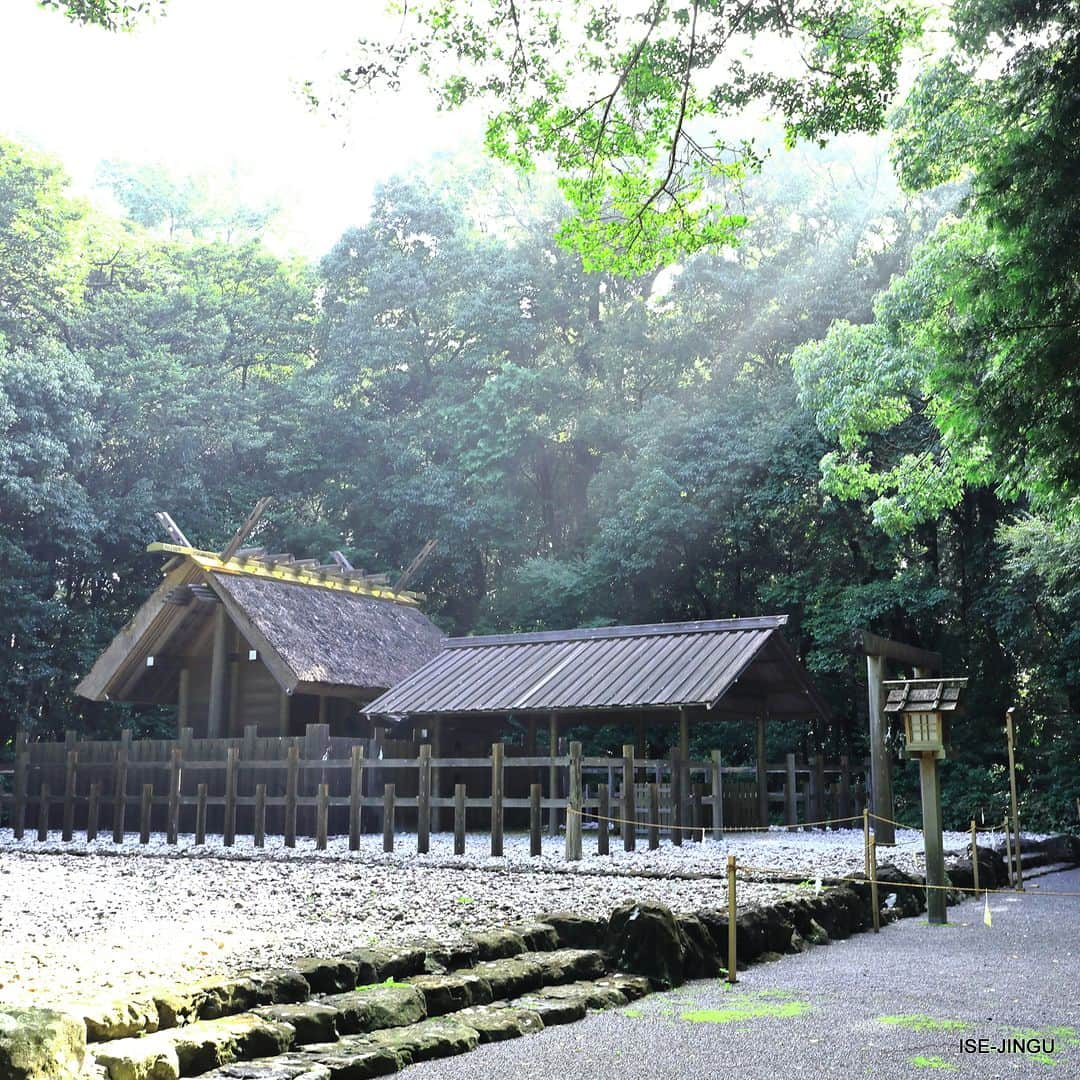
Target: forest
854,401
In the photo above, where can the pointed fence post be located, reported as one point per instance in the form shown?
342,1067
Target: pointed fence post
291,778
22,770
356,778
259,829
120,787
69,793
172,826
791,792
535,843
459,819
229,831
717,796
43,813
423,801
497,798
388,818
574,806
629,809
92,811
603,825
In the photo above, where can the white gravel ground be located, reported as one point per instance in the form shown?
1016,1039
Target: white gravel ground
82,920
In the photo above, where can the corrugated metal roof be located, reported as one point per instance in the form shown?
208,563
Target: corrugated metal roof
650,666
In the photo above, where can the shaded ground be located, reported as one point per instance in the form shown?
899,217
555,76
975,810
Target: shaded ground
889,1007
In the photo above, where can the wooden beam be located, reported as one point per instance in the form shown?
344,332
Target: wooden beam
413,568
245,530
340,559
873,645
172,528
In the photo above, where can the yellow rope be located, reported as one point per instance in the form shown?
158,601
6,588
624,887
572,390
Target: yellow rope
890,885
705,828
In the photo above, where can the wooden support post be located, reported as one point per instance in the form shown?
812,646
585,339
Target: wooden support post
229,830
812,798
696,813
200,816
717,796
535,795
172,825
93,811
974,856
43,813
423,801
762,772
259,827
843,809
183,702
874,904
629,809
284,713
216,723
459,819
935,852
574,806
553,774
388,818
497,798
1012,797
356,779
654,816
292,777
120,787
438,816
145,806
733,914
603,826
676,799
821,810
881,796
684,767
69,793
322,814
22,771
233,715
791,793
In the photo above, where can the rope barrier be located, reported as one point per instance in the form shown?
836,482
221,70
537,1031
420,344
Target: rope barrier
890,885
705,828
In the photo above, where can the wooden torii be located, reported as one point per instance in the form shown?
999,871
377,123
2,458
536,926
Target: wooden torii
923,663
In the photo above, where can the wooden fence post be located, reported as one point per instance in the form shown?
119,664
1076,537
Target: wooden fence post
654,816
697,815
676,798
200,816
388,818
718,797
120,787
844,809
173,823
423,801
322,811
145,806
69,793
791,792
819,786
291,778
230,796
22,769
535,843
92,803
43,813
356,780
497,798
603,826
813,798
553,775
459,819
574,807
629,809
259,827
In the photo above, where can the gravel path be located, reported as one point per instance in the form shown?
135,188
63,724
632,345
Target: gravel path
79,920
890,1007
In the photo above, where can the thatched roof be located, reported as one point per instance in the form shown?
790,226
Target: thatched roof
317,629
329,637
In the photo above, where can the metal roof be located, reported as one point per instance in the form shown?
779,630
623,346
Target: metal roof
659,665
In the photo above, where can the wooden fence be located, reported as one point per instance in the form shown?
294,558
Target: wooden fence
320,785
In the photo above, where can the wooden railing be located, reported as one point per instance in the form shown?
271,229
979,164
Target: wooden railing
321,785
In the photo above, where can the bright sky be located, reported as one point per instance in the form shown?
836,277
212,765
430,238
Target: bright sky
212,85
